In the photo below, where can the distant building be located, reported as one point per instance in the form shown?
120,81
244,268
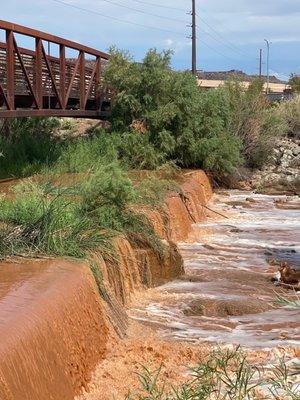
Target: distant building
233,74
215,79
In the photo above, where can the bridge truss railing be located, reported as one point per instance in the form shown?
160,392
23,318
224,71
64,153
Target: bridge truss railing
36,83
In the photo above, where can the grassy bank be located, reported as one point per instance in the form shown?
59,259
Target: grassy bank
46,216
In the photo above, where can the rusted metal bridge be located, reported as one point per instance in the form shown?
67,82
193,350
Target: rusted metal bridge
35,83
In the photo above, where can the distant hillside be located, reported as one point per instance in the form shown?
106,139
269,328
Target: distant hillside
226,75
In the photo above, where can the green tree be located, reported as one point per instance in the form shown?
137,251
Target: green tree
165,110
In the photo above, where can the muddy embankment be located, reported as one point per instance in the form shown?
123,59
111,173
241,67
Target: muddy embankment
54,325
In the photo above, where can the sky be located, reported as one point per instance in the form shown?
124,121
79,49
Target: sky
229,32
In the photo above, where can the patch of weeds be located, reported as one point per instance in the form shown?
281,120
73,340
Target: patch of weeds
27,145
288,302
225,375
141,233
68,124
281,384
70,221
227,372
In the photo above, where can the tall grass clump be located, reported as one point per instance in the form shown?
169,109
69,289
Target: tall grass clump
110,198
153,189
42,219
27,145
87,153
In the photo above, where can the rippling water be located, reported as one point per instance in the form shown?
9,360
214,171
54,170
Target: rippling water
227,295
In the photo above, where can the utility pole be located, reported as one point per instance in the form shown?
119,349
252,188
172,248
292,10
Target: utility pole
260,63
194,39
268,65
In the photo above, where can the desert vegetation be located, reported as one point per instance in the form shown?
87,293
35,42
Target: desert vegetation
166,116
294,82
69,220
161,120
226,375
158,116
78,194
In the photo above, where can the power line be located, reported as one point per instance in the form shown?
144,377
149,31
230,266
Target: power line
226,42
194,40
133,23
159,5
217,40
217,51
117,19
232,45
143,12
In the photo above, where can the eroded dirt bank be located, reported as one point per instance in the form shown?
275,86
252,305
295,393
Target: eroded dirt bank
55,327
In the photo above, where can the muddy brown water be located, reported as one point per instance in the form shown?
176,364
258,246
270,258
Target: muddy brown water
226,295
51,328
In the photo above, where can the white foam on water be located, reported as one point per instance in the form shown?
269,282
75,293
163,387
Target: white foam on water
239,244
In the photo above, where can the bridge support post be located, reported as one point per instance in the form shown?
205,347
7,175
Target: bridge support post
82,80
39,72
10,65
98,83
62,71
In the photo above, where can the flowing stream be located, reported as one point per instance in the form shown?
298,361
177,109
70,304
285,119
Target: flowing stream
227,295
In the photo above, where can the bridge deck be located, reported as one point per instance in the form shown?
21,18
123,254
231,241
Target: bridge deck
36,83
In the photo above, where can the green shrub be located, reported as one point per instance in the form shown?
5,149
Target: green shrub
252,120
289,112
294,82
109,198
108,186
179,121
137,152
